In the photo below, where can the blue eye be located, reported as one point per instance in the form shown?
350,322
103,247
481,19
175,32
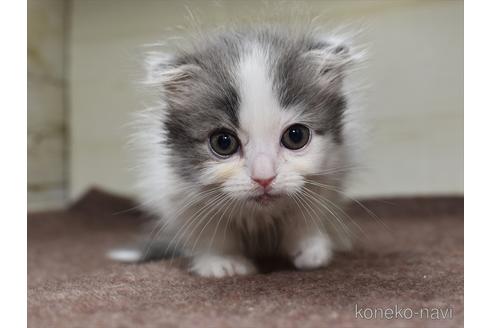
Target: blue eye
224,143
295,137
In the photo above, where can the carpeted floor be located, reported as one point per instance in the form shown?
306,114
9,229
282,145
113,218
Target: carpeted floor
416,263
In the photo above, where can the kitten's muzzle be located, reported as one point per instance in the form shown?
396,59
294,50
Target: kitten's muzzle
264,182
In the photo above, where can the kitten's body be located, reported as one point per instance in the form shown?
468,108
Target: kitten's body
256,84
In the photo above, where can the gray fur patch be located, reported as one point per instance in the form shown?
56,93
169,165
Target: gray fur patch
206,101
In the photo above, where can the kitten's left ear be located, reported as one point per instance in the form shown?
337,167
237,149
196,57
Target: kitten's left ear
331,57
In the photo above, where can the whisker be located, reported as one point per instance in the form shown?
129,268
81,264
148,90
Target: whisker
310,212
229,219
159,229
336,170
180,233
217,209
310,199
321,199
298,206
332,188
232,204
197,218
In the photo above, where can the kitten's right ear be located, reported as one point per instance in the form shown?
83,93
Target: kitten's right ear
165,72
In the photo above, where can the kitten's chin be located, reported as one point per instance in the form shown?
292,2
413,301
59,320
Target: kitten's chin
265,199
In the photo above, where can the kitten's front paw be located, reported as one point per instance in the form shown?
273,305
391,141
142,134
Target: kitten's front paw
313,253
219,266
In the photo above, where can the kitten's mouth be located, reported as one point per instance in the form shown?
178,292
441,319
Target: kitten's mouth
265,199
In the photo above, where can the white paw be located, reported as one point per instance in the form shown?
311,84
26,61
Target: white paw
313,253
219,266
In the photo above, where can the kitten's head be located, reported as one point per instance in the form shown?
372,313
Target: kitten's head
256,114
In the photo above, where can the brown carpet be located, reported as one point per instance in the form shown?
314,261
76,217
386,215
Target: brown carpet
417,263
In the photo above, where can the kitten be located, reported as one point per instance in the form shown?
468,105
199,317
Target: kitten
248,150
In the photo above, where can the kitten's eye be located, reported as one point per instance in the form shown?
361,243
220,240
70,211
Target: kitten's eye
295,137
224,143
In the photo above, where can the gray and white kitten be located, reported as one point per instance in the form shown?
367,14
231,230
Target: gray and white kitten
247,151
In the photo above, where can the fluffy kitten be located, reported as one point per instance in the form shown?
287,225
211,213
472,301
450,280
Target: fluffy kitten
247,152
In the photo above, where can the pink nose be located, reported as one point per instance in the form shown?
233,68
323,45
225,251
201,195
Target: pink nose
264,182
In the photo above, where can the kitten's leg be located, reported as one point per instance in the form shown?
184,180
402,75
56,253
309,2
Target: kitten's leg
307,247
220,257
221,265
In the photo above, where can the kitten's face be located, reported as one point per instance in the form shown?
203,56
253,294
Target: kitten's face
257,117
277,153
